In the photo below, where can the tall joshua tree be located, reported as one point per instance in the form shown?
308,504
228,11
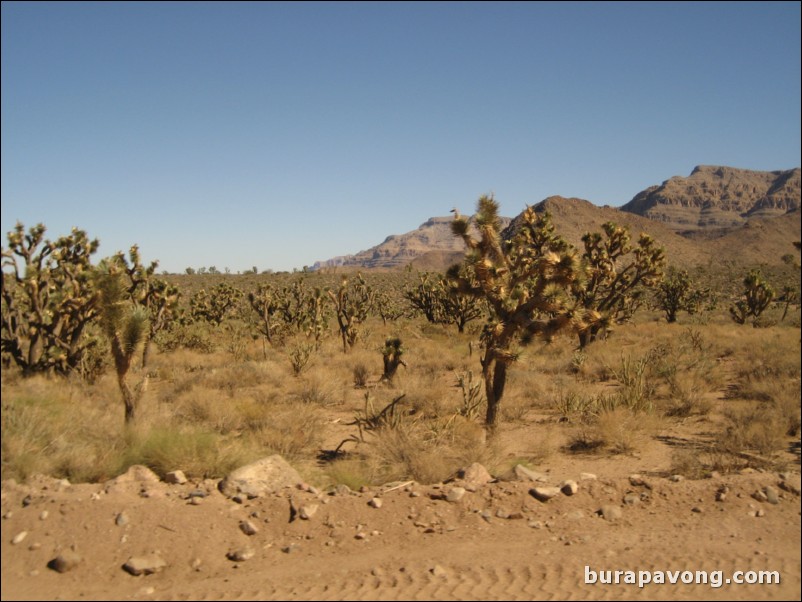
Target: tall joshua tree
126,326
158,298
526,282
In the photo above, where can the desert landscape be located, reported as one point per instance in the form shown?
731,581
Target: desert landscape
569,404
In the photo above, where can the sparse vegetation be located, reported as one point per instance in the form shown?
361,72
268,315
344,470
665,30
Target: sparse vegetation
270,375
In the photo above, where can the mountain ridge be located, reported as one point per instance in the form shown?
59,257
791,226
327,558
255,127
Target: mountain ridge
748,216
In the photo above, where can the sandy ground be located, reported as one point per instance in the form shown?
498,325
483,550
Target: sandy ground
497,542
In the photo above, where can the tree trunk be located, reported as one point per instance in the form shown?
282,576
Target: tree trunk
495,375
129,399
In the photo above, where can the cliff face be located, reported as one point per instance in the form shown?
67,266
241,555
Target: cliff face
718,197
748,216
397,250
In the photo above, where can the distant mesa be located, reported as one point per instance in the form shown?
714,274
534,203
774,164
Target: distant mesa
743,215
432,236
714,197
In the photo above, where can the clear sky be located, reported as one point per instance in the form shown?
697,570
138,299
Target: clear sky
277,134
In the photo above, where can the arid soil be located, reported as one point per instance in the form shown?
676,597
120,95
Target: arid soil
496,542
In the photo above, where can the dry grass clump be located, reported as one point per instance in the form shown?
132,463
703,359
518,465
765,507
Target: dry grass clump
50,426
761,429
615,429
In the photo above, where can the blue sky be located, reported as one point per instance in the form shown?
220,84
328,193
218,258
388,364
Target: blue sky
278,134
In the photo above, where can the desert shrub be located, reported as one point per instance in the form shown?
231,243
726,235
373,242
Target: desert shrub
299,355
189,335
199,453
290,433
315,391
45,430
617,430
754,428
361,375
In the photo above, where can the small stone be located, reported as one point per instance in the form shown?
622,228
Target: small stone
144,565
375,502
307,511
475,475
43,515
195,501
361,535
377,572
544,494
631,499
637,480
522,473
676,478
587,476
772,495
175,477
240,554
575,515
342,489
438,571
760,496
248,527
121,520
501,513
569,487
19,537
66,561
35,546
290,548
610,512
486,514
697,509
455,494
760,512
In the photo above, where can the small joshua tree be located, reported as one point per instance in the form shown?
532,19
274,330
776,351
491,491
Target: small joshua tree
266,305
352,304
525,282
441,301
214,307
614,282
677,292
126,326
756,298
391,354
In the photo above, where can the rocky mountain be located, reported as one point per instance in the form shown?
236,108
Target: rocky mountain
714,197
716,213
432,236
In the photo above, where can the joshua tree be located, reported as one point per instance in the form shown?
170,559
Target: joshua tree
442,302
756,298
352,304
613,285
525,281
158,298
677,293
47,300
214,307
265,303
125,324
391,355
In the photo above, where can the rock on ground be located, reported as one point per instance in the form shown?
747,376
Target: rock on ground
262,477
